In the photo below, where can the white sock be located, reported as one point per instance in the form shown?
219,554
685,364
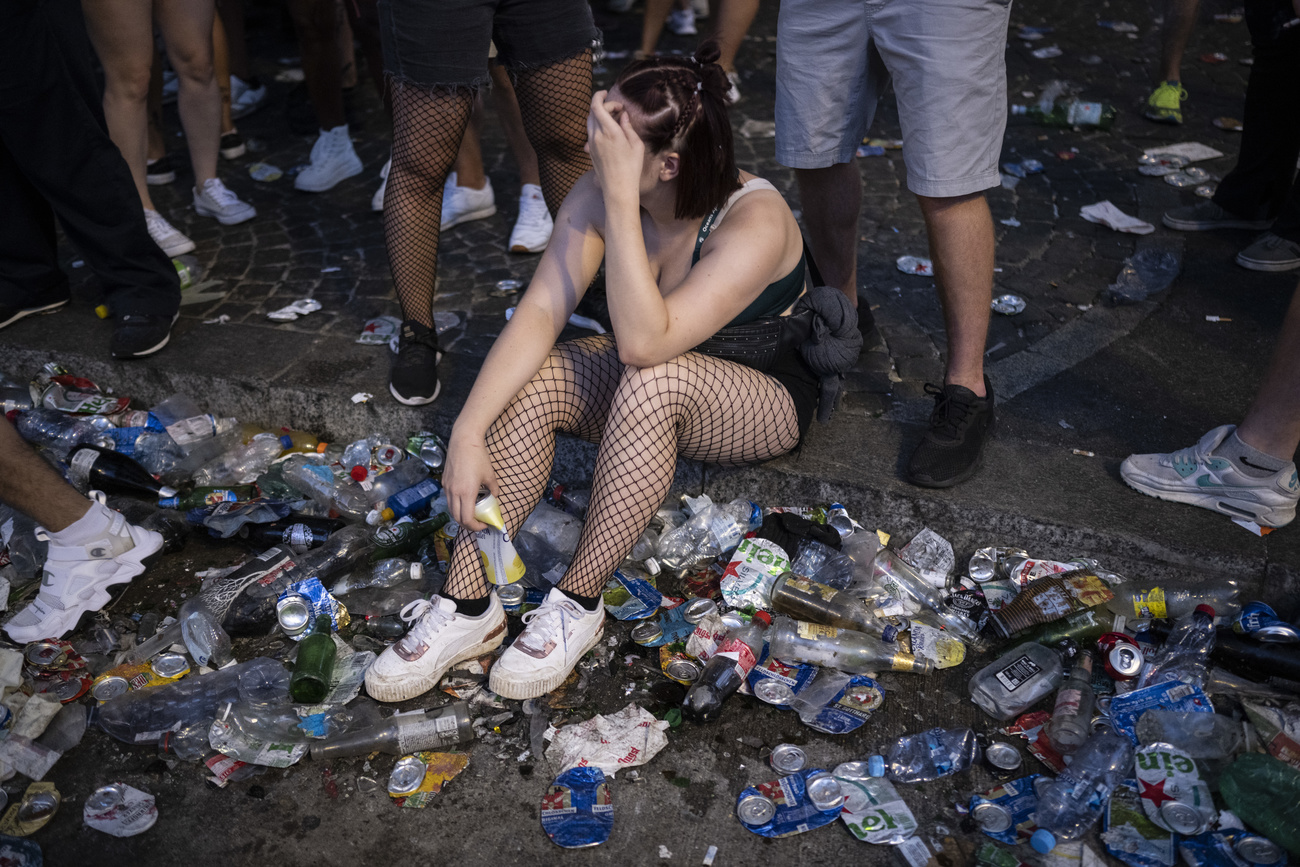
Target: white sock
89,527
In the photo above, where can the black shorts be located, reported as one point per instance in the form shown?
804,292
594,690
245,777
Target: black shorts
445,42
805,388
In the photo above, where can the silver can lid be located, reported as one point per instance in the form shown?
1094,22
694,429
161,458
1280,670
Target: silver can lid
1124,659
992,818
407,775
1003,756
755,810
106,797
825,792
170,665
1008,305
787,758
685,670
294,613
1259,850
45,654
1277,633
773,691
511,594
697,609
647,631
1183,819
109,687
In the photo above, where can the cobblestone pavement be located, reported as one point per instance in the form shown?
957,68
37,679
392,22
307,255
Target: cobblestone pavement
330,246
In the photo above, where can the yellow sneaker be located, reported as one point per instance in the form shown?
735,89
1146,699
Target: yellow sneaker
1164,105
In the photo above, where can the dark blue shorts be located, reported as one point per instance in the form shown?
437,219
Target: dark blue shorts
445,42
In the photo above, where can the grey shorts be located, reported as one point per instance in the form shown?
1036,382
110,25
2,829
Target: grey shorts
834,59
446,42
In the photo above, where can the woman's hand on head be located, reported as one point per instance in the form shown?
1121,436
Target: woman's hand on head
468,468
617,152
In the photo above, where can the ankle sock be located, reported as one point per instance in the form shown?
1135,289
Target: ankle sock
591,603
1247,459
89,527
472,607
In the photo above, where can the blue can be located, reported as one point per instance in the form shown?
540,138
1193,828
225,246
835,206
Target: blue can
1261,623
1006,812
577,810
782,807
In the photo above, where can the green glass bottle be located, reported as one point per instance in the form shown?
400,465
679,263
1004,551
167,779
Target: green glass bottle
403,538
310,682
1084,627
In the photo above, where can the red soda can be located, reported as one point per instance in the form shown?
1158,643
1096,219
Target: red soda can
1123,658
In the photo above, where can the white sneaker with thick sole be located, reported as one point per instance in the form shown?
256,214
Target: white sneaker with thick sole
1196,476
682,22
216,200
558,633
733,92
333,159
77,576
439,639
245,98
377,200
533,228
464,204
173,241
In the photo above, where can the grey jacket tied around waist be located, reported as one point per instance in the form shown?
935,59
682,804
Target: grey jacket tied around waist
834,345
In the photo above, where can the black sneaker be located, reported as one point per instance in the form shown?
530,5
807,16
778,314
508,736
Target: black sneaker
232,145
959,426
135,336
414,377
47,302
159,171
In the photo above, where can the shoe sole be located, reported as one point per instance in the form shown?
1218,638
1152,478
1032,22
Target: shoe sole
152,349
350,172
470,216
160,179
1265,265
1264,515
33,311
506,686
419,401
964,476
422,684
1208,225
521,248
131,564
1171,121
178,249
234,153
204,211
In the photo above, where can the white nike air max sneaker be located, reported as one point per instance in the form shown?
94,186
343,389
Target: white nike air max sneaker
1196,476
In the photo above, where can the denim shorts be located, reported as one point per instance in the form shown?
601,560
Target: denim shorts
446,42
834,59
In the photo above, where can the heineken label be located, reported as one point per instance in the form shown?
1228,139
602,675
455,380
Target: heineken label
749,576
1172,792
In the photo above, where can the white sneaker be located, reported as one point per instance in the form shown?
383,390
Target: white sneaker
558,633
245,98
165,235
463,204
682,22
217,201
1196,476
377,200
439,639
533,228
733,93
99,550
332,160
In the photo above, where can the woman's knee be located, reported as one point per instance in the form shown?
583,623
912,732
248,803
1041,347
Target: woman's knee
658,386
127,82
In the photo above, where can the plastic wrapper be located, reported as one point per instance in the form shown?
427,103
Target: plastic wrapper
625,739
837,703
874,812
1173,695
1279,729
1144,273
577,810
628,597
748,578
932,557
795,812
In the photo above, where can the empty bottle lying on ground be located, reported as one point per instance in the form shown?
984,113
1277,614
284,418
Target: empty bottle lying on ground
842,649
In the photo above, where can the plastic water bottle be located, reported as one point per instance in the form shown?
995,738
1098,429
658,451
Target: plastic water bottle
1072,803
710,533
402,476
1185,655
392,572
58,432
241,465
930,755
1174,599
206,641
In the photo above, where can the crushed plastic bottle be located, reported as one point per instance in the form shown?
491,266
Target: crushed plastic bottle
1071,804
930,755
1146,272
1185,655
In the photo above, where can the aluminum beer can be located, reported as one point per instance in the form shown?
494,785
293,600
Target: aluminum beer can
787,758
824,791
1003,758
1261,623
293,610
109,687
407,776
1259,850
992,818
170,665
46,654
755,810
646,631
512,597
1122,657
773,691
1171,790
697,609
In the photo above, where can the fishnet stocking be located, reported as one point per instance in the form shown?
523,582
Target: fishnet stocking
700,407
554,101
427,128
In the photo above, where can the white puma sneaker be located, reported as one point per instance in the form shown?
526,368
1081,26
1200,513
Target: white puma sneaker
558,634
439,639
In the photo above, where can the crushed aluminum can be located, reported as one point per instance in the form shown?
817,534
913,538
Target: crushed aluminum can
293,611
787,758
1006,812
1121,656
1008,304
46,654
1130,836
120,810
1206,191
1231,124
1259,850
38,805
777,682
697,609
506,288
1171,789
915,265
1157,165
678,666
109,686
647,632
170,666
577,810
265,172
290,312
1002,758
754,567
986,564
1261,623
381,330
1047,53
793,810
407,776
428,447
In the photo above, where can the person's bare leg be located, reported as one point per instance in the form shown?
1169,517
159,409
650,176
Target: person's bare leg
221,68
317,23
32,486
469,159
157,145
652,26
232,18
962,247
832,199
1180,21
347,48
733,18
507,106
122,33
187,32
1272,424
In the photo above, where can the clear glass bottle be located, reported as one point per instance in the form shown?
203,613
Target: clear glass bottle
842,649
1071,720
403,734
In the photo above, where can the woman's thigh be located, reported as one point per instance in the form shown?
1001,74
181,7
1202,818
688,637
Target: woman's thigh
572,392
122,33
186,27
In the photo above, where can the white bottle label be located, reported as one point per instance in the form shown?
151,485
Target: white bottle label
1084,113
428,733
79,467
193,429
1017,673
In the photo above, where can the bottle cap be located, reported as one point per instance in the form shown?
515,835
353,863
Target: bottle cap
373,517
1043,841
763,617
359,473
286,441
417,570
1206,610
321,447
387,514
876,766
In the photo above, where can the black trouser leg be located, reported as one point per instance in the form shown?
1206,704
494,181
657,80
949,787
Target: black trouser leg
52,126
29,269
